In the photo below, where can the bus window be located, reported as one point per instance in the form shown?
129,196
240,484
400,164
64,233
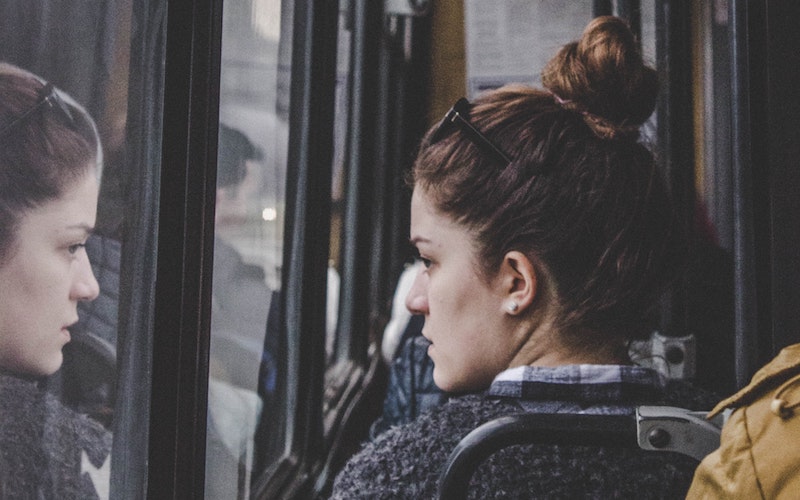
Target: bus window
245,347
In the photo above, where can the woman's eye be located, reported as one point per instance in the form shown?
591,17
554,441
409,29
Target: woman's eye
419,258
73,249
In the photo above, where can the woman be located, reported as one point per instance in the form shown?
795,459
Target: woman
50,162
547,237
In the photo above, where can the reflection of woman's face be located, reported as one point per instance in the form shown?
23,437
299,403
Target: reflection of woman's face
44,276
463,313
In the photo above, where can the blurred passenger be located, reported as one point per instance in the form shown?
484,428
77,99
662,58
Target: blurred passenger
411,390
240,303
50,163
394,334
240,295
757,457
548,238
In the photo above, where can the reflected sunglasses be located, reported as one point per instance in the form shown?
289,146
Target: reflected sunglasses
48,95
459,116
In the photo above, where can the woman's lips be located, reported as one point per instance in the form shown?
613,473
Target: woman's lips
65,330
430,344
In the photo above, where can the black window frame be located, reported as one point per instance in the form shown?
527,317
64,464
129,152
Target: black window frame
182,294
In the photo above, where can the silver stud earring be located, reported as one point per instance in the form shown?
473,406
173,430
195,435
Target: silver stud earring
512,307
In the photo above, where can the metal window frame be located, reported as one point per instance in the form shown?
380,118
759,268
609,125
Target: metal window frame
182,305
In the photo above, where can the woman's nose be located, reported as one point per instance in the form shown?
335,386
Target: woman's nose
85,286
417,298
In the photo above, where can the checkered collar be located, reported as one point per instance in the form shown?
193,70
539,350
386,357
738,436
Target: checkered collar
581,384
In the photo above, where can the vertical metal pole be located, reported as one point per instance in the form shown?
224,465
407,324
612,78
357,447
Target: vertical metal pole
745,309
354,300
675,137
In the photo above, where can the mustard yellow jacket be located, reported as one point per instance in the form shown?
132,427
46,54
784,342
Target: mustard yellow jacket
759,455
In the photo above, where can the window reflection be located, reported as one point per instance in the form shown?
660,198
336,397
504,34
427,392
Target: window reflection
50,168
90,63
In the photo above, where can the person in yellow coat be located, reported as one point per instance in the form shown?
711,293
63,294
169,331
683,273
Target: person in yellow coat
759,456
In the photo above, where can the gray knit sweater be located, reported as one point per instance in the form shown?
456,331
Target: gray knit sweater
405,462
46,449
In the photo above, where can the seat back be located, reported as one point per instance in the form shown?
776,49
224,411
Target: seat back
655,428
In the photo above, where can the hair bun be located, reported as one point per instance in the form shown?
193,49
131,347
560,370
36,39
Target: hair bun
603,75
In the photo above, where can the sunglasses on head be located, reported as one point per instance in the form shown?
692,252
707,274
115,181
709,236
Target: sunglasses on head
48,96
459,116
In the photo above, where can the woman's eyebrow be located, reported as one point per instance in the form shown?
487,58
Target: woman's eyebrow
82,227
414,240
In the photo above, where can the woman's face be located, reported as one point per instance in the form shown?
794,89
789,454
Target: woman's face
463,313
45,275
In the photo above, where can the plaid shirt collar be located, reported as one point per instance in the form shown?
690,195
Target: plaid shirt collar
581,386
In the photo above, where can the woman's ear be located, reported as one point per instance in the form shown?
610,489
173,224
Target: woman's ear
518,281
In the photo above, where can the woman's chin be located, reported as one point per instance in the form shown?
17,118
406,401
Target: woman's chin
443,382
51,366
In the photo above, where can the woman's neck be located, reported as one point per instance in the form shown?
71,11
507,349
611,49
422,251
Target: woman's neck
547,345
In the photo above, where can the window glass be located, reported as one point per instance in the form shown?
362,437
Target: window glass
648,35
75,401
244,381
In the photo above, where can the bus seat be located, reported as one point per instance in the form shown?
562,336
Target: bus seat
666,428
87,379
655,428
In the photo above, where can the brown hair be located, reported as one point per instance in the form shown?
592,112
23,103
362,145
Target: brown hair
42,151
587,205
